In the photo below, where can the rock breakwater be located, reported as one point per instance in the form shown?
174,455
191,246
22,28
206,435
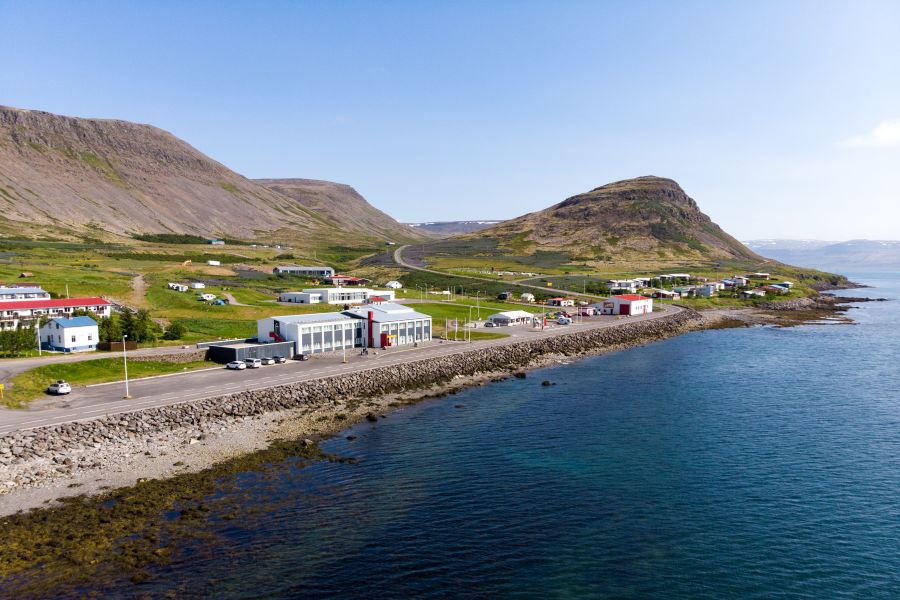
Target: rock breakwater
29,458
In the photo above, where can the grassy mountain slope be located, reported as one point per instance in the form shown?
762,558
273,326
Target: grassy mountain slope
648,219
340,205
71,177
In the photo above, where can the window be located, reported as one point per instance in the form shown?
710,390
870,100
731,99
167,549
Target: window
73,339
90,337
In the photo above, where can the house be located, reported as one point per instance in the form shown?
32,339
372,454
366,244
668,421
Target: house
760,276
527,297
587,311
217,242
214,263
786,284
393,285
511,317
12,313
504,296
623,285
345,280
626,304
688,291
14,292
178,287
560,302
707,290
740,281
754,293
76,334
303,271
335,295
774,289
196,285
665,295
371,326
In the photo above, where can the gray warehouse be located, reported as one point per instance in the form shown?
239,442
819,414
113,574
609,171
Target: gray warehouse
226,352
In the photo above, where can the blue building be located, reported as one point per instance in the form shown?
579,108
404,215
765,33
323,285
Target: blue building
77,334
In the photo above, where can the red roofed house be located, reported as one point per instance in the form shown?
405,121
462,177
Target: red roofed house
26,311
627,304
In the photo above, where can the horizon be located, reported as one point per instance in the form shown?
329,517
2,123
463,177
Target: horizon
776,120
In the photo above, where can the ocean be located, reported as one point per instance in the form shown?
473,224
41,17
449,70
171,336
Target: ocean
743,463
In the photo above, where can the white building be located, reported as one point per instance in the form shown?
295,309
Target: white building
196,285
214,263
393,285
78,334
740,281
371,326
178,287
625,285
707,290
560,302
335,295
25,311
301,271
527,297
10,294
511,317
626,304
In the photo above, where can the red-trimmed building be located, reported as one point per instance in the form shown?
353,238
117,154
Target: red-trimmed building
626,304
25,311
560,302
345,280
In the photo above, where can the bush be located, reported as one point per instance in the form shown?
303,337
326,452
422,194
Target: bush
175,331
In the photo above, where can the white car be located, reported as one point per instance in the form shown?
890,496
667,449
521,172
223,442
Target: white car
267,360
253,363
59,388
236,364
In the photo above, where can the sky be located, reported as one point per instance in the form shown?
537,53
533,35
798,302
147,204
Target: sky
782,119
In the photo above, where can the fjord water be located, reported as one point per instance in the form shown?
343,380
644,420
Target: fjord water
742,463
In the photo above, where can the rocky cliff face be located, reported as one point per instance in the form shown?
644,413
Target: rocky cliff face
643,215
62,175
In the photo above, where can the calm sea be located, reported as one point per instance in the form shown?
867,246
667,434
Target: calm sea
749,463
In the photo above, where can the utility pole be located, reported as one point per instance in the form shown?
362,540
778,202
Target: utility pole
37,334
125,363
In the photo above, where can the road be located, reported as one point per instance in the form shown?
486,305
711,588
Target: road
100,400
398,258
13,366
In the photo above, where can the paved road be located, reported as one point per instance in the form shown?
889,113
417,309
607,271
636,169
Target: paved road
13,366
106,399
398,258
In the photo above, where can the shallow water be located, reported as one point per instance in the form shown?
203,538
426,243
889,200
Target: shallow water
750,463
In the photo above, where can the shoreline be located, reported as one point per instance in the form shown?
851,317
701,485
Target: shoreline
94,462
108,462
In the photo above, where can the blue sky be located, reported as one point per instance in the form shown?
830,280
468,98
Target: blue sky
780,119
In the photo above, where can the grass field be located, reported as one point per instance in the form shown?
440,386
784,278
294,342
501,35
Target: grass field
32,384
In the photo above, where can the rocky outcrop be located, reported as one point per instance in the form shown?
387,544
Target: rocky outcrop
28,456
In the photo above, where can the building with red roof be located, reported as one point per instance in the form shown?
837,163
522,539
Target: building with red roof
626,305
25,311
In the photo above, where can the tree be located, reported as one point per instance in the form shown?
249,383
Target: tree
127,323
175,331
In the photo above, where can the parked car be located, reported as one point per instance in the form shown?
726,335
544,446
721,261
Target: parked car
302,357
268,360
253,363
59,388
564,321
279,359
236,364
490,324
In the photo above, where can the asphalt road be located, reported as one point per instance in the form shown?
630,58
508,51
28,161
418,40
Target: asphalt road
100,400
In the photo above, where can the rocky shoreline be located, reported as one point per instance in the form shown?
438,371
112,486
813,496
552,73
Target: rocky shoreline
41,465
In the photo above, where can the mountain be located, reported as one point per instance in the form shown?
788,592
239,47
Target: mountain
643,220
67,176
443,229
853,255
341,205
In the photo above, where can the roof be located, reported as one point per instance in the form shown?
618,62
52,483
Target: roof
328,317
4,289
75,322
54,303
389,311
513,314
630,297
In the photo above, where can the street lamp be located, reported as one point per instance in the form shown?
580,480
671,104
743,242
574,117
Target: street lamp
125,363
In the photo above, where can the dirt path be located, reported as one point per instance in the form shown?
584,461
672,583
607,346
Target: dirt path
232,300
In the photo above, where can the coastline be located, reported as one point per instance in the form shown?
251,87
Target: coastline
98,456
